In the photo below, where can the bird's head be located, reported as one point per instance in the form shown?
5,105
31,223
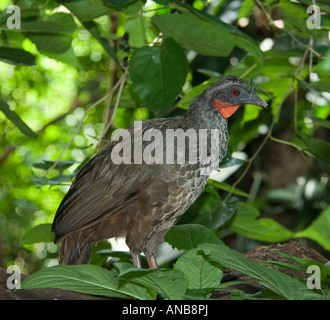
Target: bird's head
229,93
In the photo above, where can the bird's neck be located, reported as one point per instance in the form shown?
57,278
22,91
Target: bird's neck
202,116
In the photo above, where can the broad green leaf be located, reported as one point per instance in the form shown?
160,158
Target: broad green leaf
67,57
199,272
171,284
319,230
86,10
17,56
203,207
39,233
250,112
158,74
16,120
209,211
317,147
222,214
54,34
280,283
88,279
245,222
207,39
212,37
188,236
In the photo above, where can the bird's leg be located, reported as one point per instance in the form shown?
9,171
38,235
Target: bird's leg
152,262
136,259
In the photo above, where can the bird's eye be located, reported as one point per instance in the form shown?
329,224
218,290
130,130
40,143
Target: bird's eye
235,92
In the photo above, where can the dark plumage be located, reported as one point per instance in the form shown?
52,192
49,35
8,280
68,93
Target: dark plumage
143,201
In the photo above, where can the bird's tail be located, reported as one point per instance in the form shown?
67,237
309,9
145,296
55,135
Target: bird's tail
72,251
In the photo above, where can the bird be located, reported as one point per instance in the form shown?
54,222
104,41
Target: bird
142,200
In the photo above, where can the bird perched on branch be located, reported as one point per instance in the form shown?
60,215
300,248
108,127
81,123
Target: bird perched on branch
138,189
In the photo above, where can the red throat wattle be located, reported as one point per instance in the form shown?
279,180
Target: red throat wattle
226,109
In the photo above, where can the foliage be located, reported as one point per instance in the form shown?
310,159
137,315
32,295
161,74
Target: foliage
76,70
195,275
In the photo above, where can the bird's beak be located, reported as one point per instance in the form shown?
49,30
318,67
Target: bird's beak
256,100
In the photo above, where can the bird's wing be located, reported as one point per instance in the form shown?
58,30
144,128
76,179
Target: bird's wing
100,190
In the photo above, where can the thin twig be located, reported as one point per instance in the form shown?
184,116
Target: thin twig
108,124
81,122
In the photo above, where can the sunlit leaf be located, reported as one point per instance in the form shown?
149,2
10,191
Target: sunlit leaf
39,233
319,230
16,120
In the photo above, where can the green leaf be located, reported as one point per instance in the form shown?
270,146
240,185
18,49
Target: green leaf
226,187
16,120
305,263
158,74
319,230
171,284
46,164
79,9
92,27
189,96
53,34
246,8
245,222
189,236
280,283
118,3
213,37
199,272
59,179
223,213
317,147
17,56
209,211
39,233
207,39
135,28
88,279
86,10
